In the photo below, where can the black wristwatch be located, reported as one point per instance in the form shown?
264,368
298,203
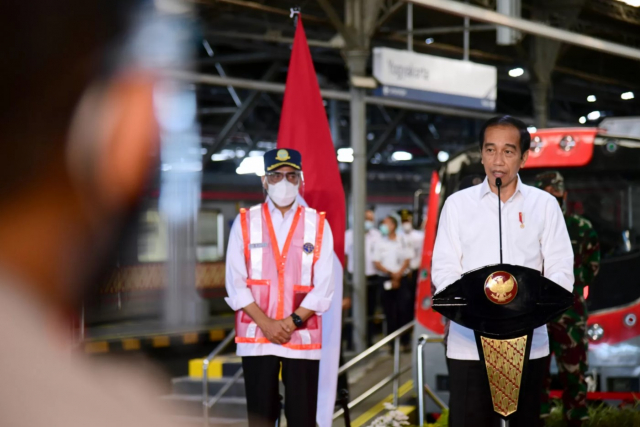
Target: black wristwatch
297,320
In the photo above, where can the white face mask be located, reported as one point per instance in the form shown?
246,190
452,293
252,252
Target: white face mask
407,227
282,193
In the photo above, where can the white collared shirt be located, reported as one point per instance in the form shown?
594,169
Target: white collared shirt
468,239
239,295
370,238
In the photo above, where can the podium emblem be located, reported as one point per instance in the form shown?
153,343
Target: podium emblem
501,287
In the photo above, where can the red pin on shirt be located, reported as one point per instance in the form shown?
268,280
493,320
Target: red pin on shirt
521,219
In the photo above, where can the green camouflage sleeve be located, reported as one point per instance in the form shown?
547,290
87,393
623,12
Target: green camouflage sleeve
590,255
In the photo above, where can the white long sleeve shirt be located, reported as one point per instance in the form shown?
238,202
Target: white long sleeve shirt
468,239
239,295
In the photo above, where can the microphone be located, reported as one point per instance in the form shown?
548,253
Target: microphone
499,184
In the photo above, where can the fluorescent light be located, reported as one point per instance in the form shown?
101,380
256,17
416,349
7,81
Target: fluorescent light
443,156
401,156
224,155
532,129
627,95
591,98
256,153
516,72
582,120
251,165
594,115
429,40
345,155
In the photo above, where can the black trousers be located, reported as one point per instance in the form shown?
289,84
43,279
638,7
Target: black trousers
300,378
397,306
470,402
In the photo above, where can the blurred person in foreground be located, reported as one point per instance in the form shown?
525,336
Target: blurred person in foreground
79,137
568,333
279,281
372,235
392,257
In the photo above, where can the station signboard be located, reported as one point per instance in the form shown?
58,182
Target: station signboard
434,79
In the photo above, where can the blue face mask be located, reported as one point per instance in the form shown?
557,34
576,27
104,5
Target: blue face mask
368,225
384,229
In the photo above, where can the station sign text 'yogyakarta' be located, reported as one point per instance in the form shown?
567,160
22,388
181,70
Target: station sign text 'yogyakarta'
427,78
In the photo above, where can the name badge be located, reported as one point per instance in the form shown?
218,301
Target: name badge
258,245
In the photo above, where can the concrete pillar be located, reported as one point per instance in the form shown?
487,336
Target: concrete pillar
357,60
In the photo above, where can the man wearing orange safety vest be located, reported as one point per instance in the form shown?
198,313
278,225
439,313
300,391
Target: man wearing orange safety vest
279,281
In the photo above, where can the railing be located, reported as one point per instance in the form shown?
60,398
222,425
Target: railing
422,387
206,403
397,372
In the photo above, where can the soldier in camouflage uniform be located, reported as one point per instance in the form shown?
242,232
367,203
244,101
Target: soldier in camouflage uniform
567,333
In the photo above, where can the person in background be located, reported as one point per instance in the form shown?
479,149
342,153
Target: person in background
568,333
416,239
79,143
372,236
279,281
392,258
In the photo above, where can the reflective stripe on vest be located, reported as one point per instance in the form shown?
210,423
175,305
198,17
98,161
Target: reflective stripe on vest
255,242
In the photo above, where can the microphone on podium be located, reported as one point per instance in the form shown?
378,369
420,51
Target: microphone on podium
499,184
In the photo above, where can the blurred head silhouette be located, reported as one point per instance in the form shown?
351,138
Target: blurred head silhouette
78,140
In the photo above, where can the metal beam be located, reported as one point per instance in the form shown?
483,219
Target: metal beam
423,145
276,38
341,96
484,15
387,14
210,111
247,105
379,143
447,30
269,9
335,20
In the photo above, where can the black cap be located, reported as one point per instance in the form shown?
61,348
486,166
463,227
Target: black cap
405,214
273,159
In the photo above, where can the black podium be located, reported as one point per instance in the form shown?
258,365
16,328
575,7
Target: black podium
503,304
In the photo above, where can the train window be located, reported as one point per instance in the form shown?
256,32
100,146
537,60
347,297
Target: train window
209,236
153,239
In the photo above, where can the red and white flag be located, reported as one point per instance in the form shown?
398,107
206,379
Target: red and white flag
304,127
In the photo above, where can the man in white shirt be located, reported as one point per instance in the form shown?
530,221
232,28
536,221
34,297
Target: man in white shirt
279,280
534,235
392,257
371,237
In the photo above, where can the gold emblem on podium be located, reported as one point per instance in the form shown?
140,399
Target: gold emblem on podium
501,287
504,360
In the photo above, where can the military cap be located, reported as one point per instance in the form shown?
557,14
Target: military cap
550,178
405,214
273,159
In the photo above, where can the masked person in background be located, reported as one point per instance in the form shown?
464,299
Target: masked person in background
392,257
371,237
416,239
568,333
279,282
79,146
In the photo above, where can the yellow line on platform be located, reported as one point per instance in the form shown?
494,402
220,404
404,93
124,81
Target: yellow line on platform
379,407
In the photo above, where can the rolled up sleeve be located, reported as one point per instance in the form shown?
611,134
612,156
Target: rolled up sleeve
319,298
446,264
557,253
239,295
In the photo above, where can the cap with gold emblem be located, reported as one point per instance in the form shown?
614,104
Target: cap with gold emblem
274,159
